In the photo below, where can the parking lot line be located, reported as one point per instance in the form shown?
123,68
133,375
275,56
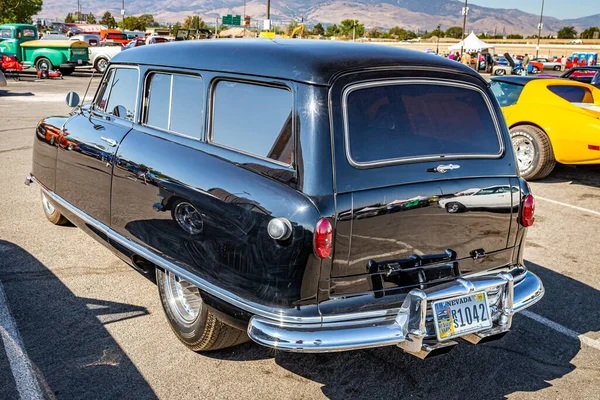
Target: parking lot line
562,329
20,365
568,205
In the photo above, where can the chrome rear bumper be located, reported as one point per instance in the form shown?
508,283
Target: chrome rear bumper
409,326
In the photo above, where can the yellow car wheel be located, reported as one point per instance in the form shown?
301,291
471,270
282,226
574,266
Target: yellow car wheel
534,153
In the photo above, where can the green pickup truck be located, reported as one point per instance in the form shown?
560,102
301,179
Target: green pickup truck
21,40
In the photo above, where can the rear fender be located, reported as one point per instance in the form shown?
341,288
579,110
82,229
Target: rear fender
56,57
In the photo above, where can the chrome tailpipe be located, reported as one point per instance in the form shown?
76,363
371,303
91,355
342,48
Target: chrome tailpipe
429,350
28,180
486,336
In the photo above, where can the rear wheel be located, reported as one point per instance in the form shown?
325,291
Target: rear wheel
191,320
51,213
557,67
454,207
535,70
500,72
43,63
533,149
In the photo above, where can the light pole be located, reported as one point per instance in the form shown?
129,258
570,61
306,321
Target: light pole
122,15
465,12
437,48
540,25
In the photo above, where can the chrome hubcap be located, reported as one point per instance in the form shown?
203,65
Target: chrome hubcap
453,208
102,65
188,218
184,298
47,205
524,150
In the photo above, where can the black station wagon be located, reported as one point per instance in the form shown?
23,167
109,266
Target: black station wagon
312,196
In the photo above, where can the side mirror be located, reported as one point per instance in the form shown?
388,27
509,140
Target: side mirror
72,99
120,111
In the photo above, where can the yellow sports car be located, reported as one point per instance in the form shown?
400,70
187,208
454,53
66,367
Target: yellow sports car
550,121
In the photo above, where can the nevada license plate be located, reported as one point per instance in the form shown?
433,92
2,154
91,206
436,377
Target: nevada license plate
461,315
79,62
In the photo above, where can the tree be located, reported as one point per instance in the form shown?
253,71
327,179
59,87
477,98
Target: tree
290,27
132,23
19,11
398,33
108,20
194,22
175,28
589,32
568,32
91,19
347,28
318,29
146,19
455,32
514,36
69,19
332,30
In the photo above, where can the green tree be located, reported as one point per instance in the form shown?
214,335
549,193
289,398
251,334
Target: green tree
318,29
411,35
568,32
91,19
398,33
175,28
290,27
374,33
132,23
455,32
69,19
347,28
146,19
332,30
108,20
514,36
19,11
589,32
194,22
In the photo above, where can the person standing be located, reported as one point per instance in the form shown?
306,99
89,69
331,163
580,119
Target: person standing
466,59
526,64
563,63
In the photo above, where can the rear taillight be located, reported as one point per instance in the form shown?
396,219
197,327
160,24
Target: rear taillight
527,211
323,239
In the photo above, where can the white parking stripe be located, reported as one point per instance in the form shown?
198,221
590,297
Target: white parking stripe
20,365
568,205
562,329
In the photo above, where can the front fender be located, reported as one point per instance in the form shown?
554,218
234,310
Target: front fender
45,147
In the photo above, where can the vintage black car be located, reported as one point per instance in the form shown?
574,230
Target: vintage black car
287,191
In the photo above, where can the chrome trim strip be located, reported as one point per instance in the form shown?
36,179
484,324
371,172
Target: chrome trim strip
403,160
272,314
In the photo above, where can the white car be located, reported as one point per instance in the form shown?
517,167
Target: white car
101,56
492,197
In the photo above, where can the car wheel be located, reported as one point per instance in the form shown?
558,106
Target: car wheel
51,213
67,71
42,62
557,67
100,65
500,72
534,70
190,319
454,207
533,149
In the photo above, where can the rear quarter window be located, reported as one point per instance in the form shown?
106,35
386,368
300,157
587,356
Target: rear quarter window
573,94
395,122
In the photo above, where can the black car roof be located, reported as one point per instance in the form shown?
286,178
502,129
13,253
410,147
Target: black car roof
516,80
311,61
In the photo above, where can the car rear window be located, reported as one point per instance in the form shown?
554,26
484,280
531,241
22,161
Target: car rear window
400,122
573,94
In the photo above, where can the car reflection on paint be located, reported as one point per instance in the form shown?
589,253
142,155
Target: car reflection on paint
495,198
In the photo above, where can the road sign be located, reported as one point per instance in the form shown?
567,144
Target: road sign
237,20
227,19
247,21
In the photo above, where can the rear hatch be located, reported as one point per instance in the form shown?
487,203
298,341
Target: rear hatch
426,186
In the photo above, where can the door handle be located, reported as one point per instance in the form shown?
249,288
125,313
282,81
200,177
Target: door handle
444,168
111,142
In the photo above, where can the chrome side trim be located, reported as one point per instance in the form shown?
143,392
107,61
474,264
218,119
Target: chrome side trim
433,157
273,314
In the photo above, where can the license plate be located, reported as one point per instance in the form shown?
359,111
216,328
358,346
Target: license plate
461,315
79,62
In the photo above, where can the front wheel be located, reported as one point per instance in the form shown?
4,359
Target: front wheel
557,67
533,149
51,213
100,65
191,320
534,70
500,72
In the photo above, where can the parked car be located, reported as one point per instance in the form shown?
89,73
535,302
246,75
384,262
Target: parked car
511,68
113,36
547,64
581,74
494,198
101,56
265,196
92,40
54,36
550,121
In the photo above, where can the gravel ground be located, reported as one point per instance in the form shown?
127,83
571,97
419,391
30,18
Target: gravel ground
93,327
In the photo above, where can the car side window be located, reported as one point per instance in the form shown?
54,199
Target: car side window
253,119
573,94
175,103
103,91
123,94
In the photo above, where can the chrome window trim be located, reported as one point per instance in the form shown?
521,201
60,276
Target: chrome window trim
137,91
144,113
211,114
434,157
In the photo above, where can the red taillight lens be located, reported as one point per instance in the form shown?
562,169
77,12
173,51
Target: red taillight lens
528,210
323,240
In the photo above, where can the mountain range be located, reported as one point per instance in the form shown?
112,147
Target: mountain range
410,14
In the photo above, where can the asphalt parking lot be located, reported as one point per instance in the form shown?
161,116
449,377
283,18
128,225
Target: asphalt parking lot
93,328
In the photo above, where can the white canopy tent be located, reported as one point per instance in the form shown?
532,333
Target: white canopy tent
472,44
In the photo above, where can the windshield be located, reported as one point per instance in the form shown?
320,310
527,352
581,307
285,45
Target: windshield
507,94
5,33
392,122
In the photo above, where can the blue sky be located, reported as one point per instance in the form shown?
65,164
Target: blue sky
556,8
